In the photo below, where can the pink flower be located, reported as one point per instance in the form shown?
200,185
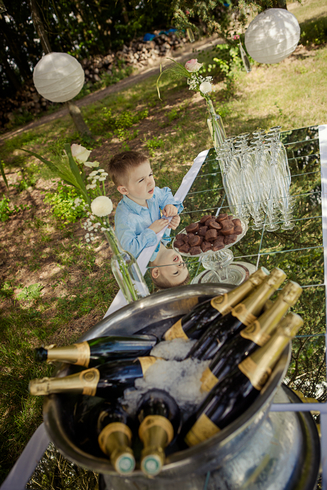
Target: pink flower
193,65
236,37
187,12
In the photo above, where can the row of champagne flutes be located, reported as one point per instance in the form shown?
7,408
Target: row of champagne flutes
256,178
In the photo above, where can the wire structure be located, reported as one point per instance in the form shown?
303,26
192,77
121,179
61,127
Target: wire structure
300,252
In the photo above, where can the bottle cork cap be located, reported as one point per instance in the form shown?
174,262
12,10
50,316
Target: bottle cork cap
125,463
151,464
39,386
276,277
291,324
291,292
258,276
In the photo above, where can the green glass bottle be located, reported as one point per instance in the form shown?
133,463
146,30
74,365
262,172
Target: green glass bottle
241,316
192,325
107,380
234,394
98,351
251,338
159,418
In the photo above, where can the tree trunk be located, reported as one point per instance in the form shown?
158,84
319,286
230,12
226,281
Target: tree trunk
77,117
38,24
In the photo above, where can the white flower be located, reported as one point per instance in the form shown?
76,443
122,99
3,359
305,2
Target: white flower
80,153
90,186
205,87
101,170
87,239
92,174
102,179
101,206
193,65
88,164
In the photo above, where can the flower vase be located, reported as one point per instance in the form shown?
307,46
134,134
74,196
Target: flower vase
216,126
126,270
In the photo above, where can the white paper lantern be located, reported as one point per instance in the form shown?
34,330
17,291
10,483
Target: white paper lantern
58,77
272,36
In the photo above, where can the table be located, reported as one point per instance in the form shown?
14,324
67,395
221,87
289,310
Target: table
300,252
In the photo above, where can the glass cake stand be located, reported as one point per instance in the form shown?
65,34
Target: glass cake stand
219,268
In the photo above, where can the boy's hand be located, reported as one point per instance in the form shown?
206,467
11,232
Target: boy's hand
174,222
169,210
158,225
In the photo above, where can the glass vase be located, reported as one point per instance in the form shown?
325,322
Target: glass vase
126,270
216,126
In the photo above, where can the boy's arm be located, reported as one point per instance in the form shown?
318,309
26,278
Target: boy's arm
165,197
131,242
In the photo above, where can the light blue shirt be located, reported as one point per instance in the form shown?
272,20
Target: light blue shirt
132,221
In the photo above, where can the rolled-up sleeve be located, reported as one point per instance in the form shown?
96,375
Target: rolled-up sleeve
133,242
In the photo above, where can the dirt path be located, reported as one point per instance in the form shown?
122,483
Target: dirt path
181,55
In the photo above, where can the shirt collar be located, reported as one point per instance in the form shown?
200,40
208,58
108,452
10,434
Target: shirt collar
133,206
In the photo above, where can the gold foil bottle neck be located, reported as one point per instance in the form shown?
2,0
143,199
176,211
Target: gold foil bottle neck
291,292
276,277
84,382
258,276
291,324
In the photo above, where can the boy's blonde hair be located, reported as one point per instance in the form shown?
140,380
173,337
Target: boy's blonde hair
121,163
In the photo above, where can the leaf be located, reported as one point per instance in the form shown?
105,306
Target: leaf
177,70
3,174
76,172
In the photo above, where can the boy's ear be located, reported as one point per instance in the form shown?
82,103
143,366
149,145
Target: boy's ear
155,273
122,189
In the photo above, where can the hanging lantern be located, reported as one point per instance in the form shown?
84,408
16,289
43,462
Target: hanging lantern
58,77
272,36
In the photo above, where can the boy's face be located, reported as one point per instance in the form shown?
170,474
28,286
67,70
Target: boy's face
170,265
140,184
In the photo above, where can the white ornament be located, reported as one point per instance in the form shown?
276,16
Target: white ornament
58,77
272,36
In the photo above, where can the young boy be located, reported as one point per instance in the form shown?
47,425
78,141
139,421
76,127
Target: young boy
138,214
168,269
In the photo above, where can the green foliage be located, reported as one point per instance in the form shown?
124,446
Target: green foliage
6,289
2,171
5,210
228,61
153,144
314,32
62,205
30,293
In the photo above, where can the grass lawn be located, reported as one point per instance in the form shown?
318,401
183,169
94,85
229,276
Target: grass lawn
53,286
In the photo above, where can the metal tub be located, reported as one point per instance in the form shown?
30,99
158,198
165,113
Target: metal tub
260,450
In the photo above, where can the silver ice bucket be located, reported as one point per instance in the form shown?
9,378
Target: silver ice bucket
259,450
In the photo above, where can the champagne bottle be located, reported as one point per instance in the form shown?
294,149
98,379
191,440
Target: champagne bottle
238,390
107,380
159,418
241,316
192,325
115,438
249,339
98,351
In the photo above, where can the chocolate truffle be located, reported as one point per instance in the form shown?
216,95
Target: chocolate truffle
195,241
230,239
211,235
214,224
204,218
222,217
178,243
227,227
192,228
203,230
195,251
237,222
185,248
238,230
206,246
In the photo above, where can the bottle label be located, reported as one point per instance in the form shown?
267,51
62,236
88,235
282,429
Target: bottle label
208,379
176,332
89,379
221,304
256,374
240,311
157,421
254,333
202,430
146,362
109,429
83,354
